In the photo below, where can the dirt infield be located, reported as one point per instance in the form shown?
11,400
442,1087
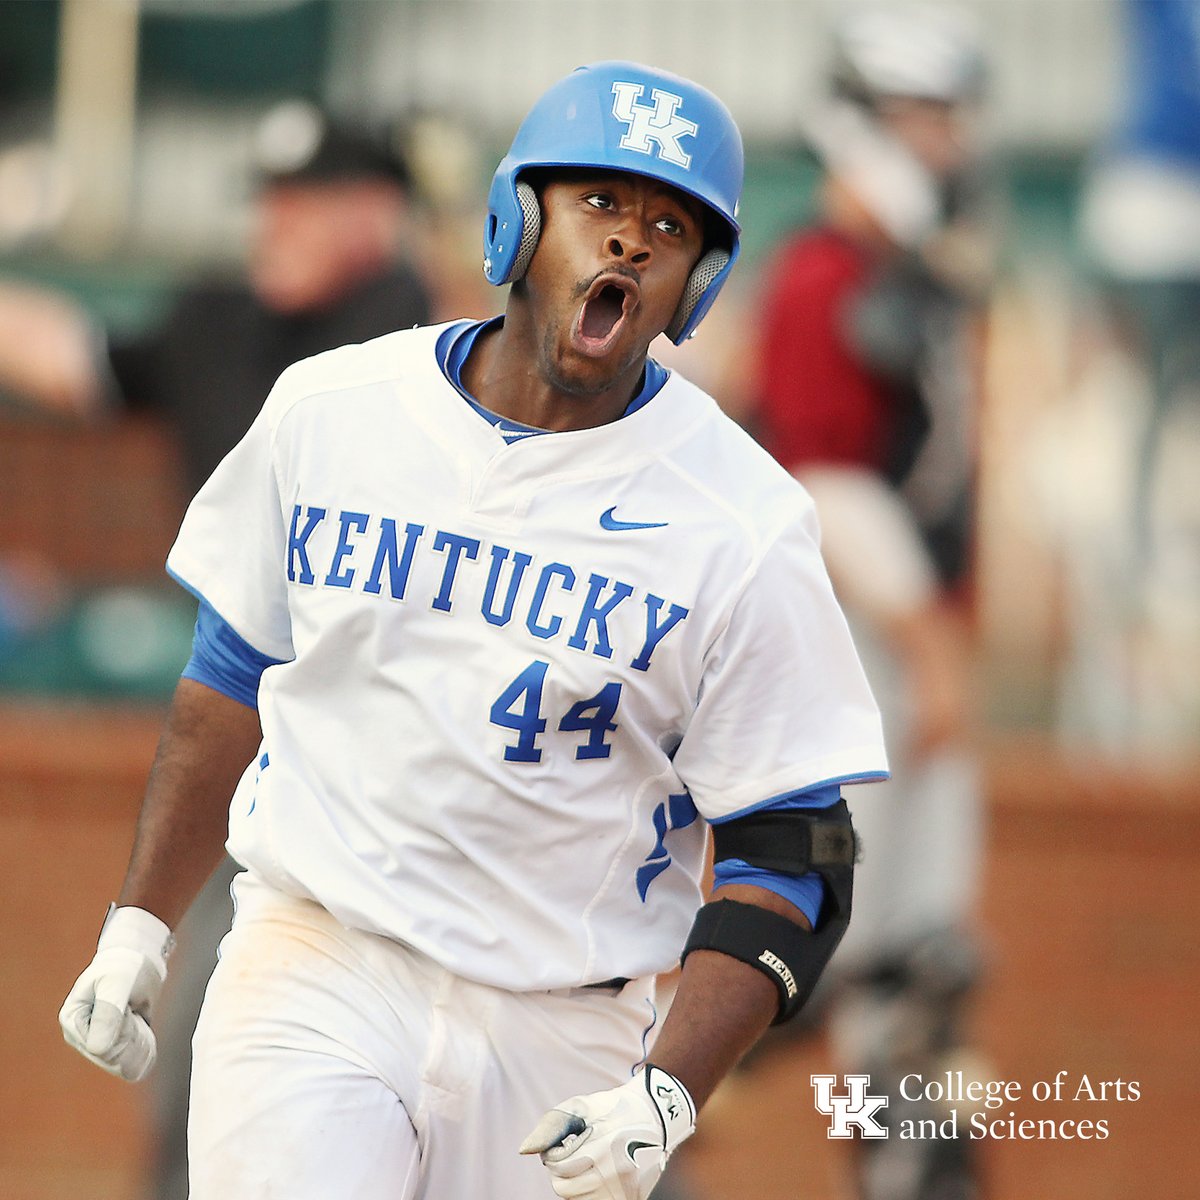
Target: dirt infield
1088,913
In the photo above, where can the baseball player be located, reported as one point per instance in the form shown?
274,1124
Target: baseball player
497,620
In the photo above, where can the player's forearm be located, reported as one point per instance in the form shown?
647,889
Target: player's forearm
721,1008
206,743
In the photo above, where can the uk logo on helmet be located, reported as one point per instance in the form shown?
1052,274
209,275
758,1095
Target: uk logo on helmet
648,126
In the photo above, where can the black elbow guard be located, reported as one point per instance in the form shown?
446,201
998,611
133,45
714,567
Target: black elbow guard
795,842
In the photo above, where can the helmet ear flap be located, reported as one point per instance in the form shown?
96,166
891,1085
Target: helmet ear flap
703,273
531,230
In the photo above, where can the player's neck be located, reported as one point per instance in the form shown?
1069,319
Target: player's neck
504,373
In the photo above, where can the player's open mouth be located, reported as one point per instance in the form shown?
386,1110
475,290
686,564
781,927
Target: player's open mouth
609,300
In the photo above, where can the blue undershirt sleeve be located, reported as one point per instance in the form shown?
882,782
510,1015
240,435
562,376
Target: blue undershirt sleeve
807,891
223,660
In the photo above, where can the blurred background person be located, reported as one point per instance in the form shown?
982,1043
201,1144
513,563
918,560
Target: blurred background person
1141,218
32,593
867,382
1131,545
326,266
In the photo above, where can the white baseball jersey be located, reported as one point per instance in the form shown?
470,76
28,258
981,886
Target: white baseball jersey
516,672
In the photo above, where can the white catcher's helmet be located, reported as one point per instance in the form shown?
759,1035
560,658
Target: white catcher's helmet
921,52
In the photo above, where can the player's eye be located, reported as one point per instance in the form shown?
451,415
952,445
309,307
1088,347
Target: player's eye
599,200
671,225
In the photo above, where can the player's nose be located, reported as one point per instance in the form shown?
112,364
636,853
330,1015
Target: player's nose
630,240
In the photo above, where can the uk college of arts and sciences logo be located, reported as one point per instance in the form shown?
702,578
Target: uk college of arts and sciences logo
650,126
984,1105
855,1110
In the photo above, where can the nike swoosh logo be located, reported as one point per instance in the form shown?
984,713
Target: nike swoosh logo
633,1147
613,525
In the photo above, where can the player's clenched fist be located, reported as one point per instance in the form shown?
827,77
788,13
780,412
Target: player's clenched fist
614,1145
106,1017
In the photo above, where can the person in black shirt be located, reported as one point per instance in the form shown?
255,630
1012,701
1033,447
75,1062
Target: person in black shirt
325,268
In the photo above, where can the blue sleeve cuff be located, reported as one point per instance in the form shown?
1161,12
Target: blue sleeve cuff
223,660
807,891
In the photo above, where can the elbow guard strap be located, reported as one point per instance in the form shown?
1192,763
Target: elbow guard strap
789,955
772,944
792,841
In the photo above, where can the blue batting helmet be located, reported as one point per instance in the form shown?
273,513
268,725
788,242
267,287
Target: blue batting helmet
622,116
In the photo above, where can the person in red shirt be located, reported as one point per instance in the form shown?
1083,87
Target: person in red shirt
865,391
842,414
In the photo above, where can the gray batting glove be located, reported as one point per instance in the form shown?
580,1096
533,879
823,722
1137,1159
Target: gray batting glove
614,1145
106,1016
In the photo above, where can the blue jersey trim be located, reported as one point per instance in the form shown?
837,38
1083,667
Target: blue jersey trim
806,892
187,587
653,379
454,346
818,795
223,660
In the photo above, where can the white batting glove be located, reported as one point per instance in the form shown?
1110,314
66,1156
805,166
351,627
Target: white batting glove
614,1145
106,1016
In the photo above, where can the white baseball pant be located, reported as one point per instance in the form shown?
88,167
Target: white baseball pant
332,1062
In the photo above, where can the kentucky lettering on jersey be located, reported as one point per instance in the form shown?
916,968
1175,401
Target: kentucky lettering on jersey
375,556
510,675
